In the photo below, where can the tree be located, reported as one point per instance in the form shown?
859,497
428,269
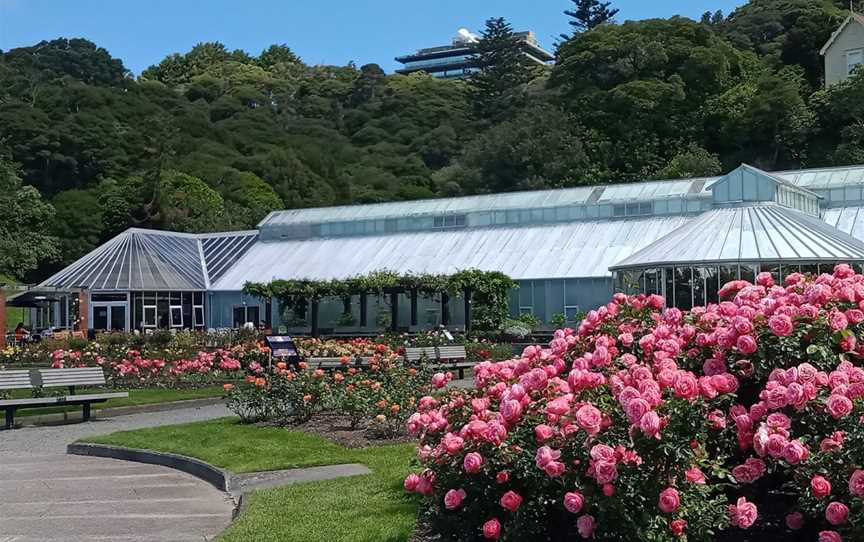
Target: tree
25,241
588,14
502,71
187,204
690,163
78,223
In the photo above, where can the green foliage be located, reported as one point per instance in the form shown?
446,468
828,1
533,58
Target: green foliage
498,85
588,14
488,290
25,240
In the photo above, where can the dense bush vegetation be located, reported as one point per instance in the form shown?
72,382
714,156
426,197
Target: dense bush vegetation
735,421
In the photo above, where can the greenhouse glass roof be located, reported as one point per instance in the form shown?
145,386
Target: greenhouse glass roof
752,233
154,260
580,249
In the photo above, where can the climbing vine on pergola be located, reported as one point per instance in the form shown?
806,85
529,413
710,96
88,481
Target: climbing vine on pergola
485,293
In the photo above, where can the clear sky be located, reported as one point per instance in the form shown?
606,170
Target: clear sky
142,32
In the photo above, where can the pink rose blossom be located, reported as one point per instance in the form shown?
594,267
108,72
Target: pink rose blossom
743,514
836,513
573,502
473,462
511,501
795,521
453,498
838,406
492,529
856,484
669,500
830,536
820,487
586,526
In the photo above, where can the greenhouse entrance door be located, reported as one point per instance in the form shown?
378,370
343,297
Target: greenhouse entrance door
111,316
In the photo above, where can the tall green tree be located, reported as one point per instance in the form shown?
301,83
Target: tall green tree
25,240
502,71
588,14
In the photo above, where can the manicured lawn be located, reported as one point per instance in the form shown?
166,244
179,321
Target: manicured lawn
360,508
136,397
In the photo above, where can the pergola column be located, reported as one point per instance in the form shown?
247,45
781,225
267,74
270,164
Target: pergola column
313,316
413,307
467,295
83,311
445,309
394,311
2,318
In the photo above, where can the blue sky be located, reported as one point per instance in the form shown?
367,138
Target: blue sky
333,32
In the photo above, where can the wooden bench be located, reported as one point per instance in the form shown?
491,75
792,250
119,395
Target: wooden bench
53,378
452,358
329,364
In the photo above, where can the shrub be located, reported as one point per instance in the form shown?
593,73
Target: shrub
382,395
735,421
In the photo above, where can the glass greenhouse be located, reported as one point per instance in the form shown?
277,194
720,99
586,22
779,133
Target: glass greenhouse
568,249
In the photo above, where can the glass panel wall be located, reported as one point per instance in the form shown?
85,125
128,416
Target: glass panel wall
165,310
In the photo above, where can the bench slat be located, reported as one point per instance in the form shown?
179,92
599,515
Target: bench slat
15,379
78,376
67,400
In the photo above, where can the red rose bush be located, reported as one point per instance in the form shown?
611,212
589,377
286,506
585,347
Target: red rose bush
736,421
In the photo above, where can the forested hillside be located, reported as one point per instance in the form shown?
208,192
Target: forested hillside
213,139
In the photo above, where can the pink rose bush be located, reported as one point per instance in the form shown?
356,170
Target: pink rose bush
134,368
740,420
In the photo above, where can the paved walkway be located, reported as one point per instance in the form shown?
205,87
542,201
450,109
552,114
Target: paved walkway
46,495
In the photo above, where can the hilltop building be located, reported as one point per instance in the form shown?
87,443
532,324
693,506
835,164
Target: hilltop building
844,51
455,61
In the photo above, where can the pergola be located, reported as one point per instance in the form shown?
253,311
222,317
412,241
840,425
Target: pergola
73,301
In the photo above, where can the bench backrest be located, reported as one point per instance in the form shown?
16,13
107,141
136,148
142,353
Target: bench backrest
435,353
451,352
418,353
15,380
83,376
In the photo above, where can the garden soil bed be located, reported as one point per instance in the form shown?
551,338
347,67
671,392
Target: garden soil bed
337,428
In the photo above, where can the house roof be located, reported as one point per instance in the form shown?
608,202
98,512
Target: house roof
853,17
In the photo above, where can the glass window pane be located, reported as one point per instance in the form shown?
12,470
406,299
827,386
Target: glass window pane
810,268
652,281
239,316
683,288
712,284
669,287
748,272
699,276
728,273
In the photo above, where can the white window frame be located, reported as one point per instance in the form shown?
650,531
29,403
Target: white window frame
171,321
155,323
859,53
199,323
574,308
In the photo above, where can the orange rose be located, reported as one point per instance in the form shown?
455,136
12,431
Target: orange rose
228,387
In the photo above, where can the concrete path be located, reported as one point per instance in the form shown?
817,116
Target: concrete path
46,495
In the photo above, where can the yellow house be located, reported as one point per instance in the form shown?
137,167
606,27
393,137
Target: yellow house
844,51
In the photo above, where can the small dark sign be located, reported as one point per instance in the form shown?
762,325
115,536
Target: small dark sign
282,346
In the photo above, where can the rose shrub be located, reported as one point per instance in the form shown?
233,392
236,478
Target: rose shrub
383,394
737,421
